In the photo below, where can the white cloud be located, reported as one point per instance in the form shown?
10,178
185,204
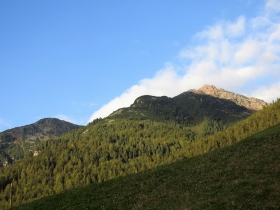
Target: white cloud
234,55
259,22
223,28
158,86
268,93
213,33
236,29
247,52
272,5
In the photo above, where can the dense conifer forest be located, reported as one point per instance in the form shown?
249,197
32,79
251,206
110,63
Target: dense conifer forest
243,175
17,142
109,148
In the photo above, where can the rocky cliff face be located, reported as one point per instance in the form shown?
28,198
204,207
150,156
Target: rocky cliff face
250,103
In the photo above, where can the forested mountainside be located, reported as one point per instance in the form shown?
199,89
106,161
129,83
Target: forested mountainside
186,109
109,148
19,141
241,176
203,114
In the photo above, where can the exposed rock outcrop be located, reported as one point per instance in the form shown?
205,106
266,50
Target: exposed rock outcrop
250,103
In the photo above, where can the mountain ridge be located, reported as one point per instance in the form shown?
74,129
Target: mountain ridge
43,129
248,102
190,107
18,141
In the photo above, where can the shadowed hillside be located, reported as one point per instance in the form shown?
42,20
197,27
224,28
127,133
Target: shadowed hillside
242,176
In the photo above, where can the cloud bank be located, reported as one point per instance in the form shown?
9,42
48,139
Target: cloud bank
241,56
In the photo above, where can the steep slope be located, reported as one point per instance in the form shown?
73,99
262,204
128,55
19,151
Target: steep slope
16,142
242,176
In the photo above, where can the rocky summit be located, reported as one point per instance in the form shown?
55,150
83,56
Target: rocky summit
250,103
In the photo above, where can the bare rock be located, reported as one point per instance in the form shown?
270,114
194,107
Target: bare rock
250,103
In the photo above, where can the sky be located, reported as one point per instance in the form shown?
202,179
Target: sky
81,60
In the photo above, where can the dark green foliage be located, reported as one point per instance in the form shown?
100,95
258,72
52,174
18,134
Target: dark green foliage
17,142
259,121
187,109
242,176
110,148
203,114
10,152
97,153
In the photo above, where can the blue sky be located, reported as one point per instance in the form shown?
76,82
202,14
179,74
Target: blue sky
78,60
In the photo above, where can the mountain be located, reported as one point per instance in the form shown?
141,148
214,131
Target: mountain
250,103
241,176
146,135
204,111
41,130
18,141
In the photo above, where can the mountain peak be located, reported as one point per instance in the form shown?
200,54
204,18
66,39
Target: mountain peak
43,129
209,89
250,103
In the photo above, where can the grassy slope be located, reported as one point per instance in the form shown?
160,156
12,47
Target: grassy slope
245,175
